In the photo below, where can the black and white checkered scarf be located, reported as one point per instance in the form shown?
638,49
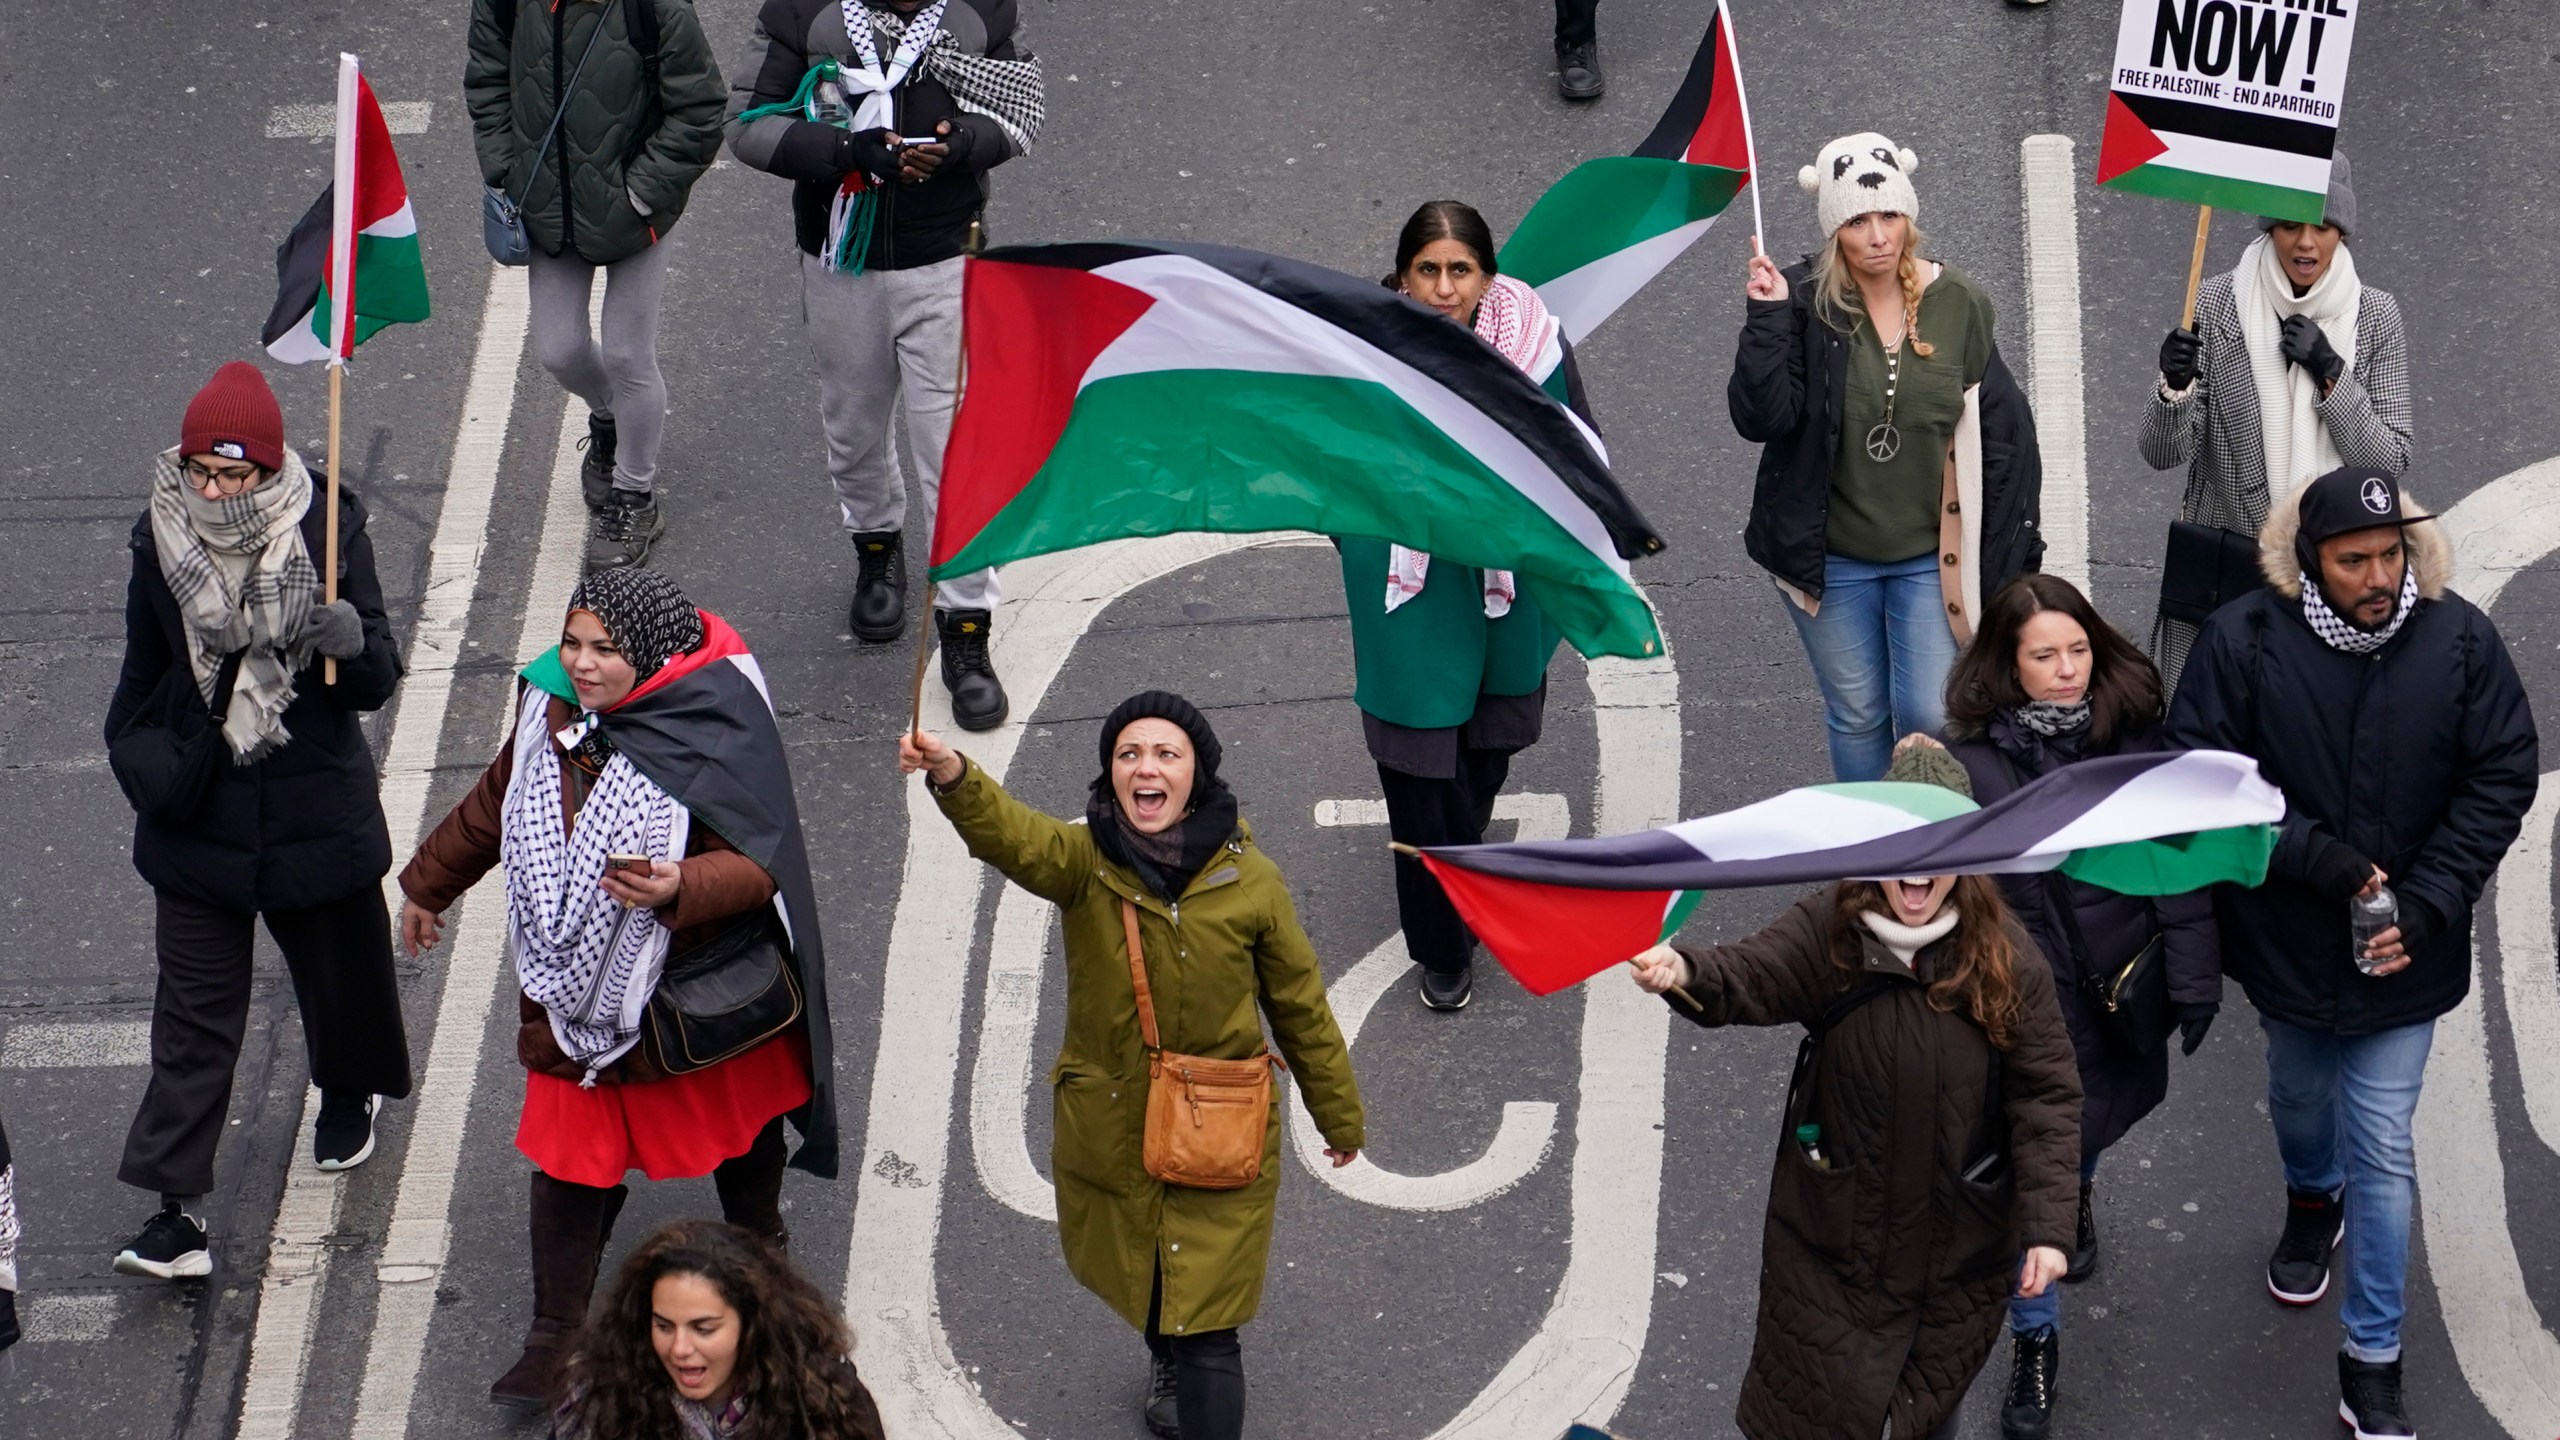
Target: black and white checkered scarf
2049,719
1009,92
2344,637
242,578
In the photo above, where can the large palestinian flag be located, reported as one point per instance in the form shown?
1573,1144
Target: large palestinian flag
325,289
1119,390
1607,228
1558,912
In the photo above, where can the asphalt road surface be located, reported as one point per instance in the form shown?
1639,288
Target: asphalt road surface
1560,1212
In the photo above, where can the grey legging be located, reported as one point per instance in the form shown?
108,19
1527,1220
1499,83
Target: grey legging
618,377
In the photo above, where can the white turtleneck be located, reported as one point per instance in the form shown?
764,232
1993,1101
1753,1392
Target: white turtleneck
1906,941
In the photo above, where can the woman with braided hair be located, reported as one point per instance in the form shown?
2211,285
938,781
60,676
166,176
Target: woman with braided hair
1899,482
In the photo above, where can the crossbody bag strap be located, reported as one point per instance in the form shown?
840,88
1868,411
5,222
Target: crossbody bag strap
1138,978
560,111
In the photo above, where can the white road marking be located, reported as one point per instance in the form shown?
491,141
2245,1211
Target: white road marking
2526,963
1000,1082
313,122
77,1319
62,1045
2052,195
1351,812
298,1253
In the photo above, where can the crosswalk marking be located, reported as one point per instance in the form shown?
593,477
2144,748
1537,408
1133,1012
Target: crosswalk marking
313,122
68,1044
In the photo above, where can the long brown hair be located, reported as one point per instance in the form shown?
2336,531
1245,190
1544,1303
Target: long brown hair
791,1343
2124,686
1983,981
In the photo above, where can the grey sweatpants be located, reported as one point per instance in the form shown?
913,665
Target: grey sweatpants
619,377
883,337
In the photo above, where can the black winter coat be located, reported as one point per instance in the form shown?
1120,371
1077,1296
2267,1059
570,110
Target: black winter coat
2118,1087
2422,756
1789,370
304,825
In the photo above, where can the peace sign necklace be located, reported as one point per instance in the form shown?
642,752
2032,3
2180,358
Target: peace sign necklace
1885,440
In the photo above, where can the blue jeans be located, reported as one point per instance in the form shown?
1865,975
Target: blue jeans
2045,1311
2342,1106
1881,649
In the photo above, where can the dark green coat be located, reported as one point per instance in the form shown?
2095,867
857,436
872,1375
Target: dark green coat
1219,960
616,141
1423,666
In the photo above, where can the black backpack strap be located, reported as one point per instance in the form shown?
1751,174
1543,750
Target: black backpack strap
646,38
1799,1080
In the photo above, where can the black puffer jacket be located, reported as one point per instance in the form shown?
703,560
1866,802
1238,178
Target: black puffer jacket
1788,373
2118,1087
2422,756
304,825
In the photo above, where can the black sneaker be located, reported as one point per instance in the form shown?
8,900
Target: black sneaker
880,589
2035,1364
1578,71
622,532
1448,989
595,473
2084,1241
2298,1273
342,1138
8,1318
977,696
2369,1400
1162,1417
172,1246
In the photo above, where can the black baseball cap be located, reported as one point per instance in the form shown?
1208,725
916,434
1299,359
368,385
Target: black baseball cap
2350,499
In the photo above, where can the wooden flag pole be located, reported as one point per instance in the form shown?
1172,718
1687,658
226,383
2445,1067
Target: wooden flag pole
329,545
2195,266
924,653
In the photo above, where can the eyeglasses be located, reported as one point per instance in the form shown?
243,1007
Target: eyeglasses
227,481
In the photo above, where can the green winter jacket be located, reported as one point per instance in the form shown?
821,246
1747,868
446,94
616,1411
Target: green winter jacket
1219,960
615,145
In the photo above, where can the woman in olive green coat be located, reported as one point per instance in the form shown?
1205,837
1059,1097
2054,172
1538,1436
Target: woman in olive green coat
1222,951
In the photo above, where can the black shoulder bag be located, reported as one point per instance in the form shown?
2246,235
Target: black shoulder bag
721,998
2206,568
170,752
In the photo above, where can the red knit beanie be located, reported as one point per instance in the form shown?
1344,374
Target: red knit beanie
235,416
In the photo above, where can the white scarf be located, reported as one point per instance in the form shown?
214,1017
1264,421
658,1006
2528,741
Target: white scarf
242,578
1515,321
1906,941
2297,445
587,959
872,79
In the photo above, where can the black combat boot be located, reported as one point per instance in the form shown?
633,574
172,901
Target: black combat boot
880,589
977,696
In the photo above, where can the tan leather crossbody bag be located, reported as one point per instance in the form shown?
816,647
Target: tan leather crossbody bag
1205,1118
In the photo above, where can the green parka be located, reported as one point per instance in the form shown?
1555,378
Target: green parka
1219,960
617,143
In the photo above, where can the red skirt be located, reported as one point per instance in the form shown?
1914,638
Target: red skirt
671,1129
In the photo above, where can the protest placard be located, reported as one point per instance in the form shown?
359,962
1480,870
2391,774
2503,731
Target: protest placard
2228,102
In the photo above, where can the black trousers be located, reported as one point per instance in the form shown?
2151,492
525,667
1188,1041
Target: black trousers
1576,21
1208,1369
339,955
1439,812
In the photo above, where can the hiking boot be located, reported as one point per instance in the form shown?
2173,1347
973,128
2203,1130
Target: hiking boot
1448,989
622,532
880,589
1162,1417
977,696
2084,1242
2369,1401
342,1138
172,1246
595,473
2035,1363
2298,1273
1578,71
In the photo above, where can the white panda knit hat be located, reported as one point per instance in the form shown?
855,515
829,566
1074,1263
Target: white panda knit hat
1858,175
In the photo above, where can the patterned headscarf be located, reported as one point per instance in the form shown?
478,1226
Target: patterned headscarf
647,616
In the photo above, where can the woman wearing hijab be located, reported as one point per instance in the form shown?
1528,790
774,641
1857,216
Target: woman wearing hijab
1163,857
643,812
267,804
1451,661
2295,368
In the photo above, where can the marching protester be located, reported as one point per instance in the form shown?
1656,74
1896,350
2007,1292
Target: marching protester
705,1332
1165,1009
2044,684
2386,708
1933,1123
2295,368
1578,74
1899,478
1451,661
254,795
673,1003
595,118
887,116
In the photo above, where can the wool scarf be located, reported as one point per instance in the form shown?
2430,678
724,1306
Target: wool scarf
1907,941
2049,719
1515,321
2296,443
242,579
1167,861
2339,634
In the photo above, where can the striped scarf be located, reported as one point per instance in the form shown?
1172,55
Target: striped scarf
242,579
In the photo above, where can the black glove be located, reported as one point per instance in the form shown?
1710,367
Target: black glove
961,140
2193,1021
335,630
2305,345
2419,923
2178,356
868,151
2336,870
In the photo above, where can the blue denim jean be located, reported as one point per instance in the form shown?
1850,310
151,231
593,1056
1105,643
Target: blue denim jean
2342,1106
2045,1311
1881,648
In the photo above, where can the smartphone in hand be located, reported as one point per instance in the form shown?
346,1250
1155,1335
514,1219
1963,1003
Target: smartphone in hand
640,863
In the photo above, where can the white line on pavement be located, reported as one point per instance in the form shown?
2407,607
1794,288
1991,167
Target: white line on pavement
2053,320
311,122
61,1045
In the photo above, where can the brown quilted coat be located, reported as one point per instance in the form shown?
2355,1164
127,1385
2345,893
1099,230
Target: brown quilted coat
1884,1280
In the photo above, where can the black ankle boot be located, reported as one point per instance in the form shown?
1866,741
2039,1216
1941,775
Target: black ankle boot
2084,1241
880,589
595,473
1163,1388
977,697
2035,1367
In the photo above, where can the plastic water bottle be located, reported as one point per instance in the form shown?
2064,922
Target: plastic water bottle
1810,1137
2368,916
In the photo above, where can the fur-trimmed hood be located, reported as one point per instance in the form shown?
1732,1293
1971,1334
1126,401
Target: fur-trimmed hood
2429,550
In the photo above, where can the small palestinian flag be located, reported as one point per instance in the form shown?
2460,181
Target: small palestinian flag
1119,390
2240,160
1558,912
324,289
1607,228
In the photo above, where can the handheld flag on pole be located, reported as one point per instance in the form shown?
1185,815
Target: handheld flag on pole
1609,226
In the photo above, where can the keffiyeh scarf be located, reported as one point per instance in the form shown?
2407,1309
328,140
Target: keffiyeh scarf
2290,430
1005,91
1517,324
2346,638
242,578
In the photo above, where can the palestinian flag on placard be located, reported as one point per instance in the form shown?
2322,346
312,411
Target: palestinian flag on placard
1119,390
2204,154
1558,912
1599,234
388,276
